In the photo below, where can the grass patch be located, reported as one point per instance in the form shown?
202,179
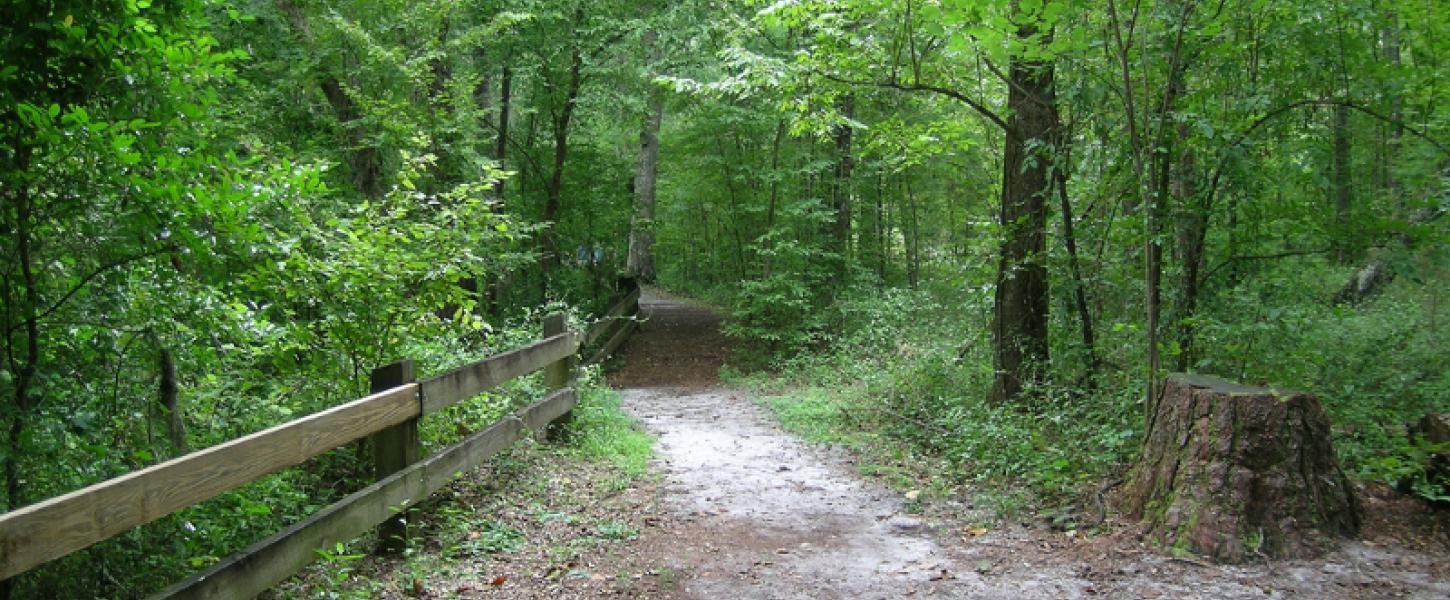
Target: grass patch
817,415
521,512
602,432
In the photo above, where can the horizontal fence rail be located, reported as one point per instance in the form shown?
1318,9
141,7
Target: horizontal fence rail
625,308
615,326
41,532
54,528
468,381
270,561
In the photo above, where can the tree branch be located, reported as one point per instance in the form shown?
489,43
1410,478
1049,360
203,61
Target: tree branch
922,87
85,281
1262,120
1277,255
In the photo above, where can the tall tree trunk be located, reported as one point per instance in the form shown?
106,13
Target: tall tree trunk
1192,229
362,157
22,365
1343,245
841,188
496,282
641,264
442,71
501,144
1153,182
769,257
175,426
1019,324
881,228
774,177
549,260
1079,287
1153,267
736,215
1397,103
913,265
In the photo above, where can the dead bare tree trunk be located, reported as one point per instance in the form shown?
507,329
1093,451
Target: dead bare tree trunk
1378,272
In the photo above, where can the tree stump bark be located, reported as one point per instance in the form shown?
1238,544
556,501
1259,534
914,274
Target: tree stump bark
1230,472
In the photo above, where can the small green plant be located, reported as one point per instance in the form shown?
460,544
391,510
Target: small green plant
601,430
1254,541
490,537
616,530
338,564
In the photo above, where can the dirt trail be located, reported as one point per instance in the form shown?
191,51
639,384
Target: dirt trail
755,513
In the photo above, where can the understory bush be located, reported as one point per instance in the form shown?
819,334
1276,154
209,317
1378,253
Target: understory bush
909,371
152,556
1376,367
906,367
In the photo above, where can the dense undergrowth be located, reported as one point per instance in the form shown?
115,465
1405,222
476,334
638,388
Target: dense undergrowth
600,451
903,374
150,557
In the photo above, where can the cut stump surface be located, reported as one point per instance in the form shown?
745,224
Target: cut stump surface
1230,472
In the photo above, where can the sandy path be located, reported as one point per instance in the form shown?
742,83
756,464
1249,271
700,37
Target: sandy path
756,514
780,522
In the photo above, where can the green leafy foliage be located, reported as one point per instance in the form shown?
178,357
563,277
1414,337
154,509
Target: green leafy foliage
281,196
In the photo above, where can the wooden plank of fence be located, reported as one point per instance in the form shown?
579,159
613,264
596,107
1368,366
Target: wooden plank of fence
627,305
465,455
559,373
54,528
276,558
394,449
468,381
614,343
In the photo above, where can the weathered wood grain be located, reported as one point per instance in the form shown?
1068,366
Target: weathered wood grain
471,452
543,412
468,381
272,560
557,373
47,530
394,449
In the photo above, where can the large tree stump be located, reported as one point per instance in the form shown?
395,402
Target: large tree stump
1230,471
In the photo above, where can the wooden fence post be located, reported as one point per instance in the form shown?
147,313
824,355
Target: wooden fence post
394,449
560,373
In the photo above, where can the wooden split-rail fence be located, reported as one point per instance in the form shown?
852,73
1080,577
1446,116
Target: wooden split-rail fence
41,532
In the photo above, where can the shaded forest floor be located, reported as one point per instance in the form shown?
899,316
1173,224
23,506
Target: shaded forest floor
733,507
